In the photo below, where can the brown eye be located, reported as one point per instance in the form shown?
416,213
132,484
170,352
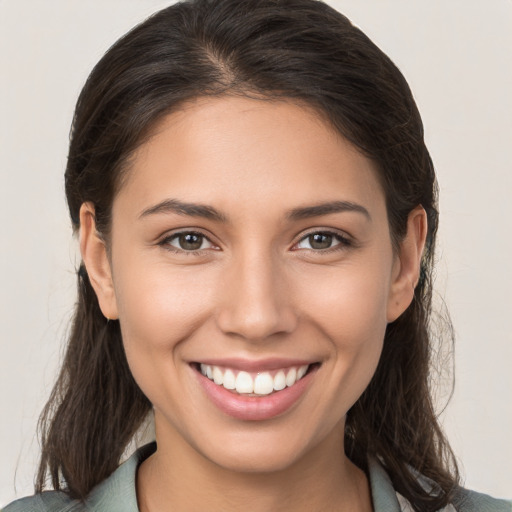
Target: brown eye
320,240
188,241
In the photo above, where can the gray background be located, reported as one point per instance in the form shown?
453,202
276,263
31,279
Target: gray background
456,55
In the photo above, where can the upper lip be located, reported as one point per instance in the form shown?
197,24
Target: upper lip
252,365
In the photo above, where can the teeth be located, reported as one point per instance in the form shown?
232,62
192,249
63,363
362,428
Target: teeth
229,380
291,377
218,376
301,372
244,383
262,383
279,380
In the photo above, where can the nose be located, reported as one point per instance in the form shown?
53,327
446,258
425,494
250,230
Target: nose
256,301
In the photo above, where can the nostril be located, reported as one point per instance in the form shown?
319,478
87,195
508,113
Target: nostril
257,322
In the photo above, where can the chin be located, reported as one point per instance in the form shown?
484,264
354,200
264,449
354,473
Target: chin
270,449
255,459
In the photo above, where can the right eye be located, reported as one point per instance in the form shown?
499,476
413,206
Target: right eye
187,241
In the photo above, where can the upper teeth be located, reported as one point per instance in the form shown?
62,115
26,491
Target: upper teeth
261,383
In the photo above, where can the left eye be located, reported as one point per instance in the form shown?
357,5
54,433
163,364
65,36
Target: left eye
321,241
189,241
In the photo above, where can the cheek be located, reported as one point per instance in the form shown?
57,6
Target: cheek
349,308
356,329
349,303
158,310
159,306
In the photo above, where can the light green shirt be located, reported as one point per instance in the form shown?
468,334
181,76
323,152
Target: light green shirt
117,494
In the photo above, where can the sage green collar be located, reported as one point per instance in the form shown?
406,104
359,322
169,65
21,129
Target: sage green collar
118,492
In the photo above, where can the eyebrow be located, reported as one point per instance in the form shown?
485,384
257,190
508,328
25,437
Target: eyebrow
183,208
208,212
326,209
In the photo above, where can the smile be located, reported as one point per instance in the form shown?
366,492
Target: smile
254,383
255,391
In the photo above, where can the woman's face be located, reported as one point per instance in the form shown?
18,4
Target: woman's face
250,242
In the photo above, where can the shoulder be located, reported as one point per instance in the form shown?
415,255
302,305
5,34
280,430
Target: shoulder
116,494
471,501
48,501
464,500
385,497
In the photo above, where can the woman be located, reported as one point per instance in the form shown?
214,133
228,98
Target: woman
257,218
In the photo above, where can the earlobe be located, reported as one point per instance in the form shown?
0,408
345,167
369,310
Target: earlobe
407,266
95,257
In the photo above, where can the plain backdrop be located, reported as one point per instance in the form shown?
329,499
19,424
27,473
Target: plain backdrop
456,55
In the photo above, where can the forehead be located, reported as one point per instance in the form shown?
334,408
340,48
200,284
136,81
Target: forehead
228,150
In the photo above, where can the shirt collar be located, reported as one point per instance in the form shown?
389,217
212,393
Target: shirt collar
118,491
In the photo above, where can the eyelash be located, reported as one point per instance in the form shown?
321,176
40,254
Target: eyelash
344,242
166,243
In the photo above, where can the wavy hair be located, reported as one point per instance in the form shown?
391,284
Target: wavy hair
299,50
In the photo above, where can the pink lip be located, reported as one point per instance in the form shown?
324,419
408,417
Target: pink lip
255,365
252,408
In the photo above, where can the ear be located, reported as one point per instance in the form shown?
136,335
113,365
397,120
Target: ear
95,258
406,268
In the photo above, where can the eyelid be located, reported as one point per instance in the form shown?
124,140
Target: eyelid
344,238
173,234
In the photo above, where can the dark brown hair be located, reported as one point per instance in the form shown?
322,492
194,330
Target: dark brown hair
300,50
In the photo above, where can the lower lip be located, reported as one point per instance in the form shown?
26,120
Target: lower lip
254,408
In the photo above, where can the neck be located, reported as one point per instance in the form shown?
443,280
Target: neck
177,477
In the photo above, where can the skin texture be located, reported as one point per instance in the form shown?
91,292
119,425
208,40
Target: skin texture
256,289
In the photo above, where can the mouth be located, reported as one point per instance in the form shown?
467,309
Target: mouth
255,391
254,383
